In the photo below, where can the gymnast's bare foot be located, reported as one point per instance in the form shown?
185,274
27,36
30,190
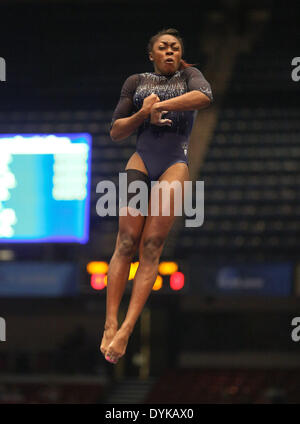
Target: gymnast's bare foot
117,347
108,335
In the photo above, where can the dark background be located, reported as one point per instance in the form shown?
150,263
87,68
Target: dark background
66,63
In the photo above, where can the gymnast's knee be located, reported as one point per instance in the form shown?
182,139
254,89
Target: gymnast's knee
127,244
151,248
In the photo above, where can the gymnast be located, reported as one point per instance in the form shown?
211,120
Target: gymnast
160,106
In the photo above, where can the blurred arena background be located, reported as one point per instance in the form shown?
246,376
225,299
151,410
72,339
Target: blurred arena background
220,329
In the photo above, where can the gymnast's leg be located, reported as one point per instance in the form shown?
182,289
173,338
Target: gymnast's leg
130,230
127,242
154,234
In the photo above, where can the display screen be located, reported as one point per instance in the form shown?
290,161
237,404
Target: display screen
45,187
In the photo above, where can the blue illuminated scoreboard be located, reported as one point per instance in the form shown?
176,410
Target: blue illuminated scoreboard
45,187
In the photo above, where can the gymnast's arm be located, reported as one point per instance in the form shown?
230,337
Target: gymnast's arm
194,100
122,124
198,97
124,127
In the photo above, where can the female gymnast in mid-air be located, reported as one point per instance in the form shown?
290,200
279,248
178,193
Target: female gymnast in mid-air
178,89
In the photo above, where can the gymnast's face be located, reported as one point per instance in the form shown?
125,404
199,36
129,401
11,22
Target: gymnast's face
166,54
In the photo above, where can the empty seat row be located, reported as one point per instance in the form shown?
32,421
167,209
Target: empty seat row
56,116
259,113
282,211
55,128
241,240
257,152
261,139
222,386
232,195
251,181
256,125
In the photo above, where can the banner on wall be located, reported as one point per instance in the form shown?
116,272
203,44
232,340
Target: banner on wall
28,279
272,279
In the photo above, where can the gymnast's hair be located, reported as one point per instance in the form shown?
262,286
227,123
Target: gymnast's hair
175,33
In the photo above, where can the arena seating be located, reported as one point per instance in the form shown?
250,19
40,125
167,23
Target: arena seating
226,386
251,171
49,393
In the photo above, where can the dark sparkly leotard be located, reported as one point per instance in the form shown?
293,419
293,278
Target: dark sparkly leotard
161,146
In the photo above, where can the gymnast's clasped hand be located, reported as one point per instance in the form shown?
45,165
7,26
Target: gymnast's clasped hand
150,104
